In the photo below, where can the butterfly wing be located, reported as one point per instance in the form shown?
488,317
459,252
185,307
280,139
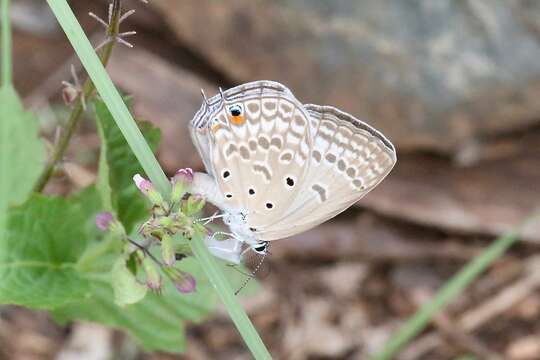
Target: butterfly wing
259,141
348,159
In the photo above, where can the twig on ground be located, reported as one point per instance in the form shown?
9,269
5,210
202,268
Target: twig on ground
454,332
486,311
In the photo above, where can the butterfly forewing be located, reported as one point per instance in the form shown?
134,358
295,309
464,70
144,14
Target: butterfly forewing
260,156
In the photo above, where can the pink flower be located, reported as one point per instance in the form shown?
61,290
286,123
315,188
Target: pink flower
181,182
142,184
148,189
185,175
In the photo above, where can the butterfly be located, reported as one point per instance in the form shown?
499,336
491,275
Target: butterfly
277,167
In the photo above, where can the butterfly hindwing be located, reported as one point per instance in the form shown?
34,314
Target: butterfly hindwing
348,159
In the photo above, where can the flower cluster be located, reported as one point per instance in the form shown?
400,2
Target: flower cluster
169,228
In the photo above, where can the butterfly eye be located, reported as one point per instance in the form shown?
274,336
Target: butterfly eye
261,248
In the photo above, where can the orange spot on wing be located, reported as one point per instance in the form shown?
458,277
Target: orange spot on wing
237,120
215,127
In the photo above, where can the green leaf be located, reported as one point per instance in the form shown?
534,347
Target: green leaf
157,322
117,167
45,238
21,152
126,288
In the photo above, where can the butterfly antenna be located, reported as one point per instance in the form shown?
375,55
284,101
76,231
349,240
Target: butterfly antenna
222,94
252,274
204,97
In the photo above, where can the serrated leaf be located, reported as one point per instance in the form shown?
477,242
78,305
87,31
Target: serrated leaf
38,256
126,289
21,152
117,167
158,321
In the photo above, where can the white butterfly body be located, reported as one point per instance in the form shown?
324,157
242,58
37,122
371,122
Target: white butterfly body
277,167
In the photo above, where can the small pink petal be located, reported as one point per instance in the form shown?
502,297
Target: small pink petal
184,174
142,183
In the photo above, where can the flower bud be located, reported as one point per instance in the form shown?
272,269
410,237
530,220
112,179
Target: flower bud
193,205
183,282
148,189
104,220
69,93
181,182
153,278
167,250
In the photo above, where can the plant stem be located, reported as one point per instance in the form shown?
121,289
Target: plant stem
110,94
7,67
450,291
142,151
70,126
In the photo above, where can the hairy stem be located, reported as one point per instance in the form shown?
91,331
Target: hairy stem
88,90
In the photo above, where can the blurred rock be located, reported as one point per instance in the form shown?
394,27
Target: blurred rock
34,17
429,74
166,95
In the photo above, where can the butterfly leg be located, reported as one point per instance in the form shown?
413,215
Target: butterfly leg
207,220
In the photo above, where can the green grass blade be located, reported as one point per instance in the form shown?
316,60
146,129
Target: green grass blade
140,148
7,69
449,292
239,317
